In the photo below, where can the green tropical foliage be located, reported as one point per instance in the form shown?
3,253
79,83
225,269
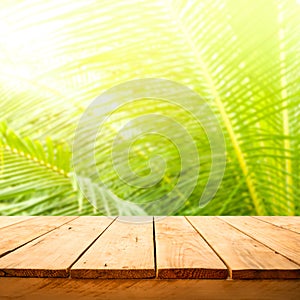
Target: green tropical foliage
242,57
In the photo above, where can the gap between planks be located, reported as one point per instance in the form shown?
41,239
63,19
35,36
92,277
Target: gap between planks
52,254
19,234
281,241
6,221
290,223
183,253
188,239
245,257
125,250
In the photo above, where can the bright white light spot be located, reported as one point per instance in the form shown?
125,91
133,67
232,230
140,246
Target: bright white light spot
246,80
222,83
242,65
214,56
221,6
219,69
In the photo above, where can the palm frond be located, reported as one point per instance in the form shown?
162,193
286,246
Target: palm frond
242,57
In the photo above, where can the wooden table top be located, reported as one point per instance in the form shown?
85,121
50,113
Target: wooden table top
169,248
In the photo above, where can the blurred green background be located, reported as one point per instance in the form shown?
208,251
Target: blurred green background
242,57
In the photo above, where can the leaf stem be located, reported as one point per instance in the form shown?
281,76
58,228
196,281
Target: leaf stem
285,115
259,207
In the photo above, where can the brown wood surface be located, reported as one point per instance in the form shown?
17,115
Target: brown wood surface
52,254
7,221
169,248
245,257
291,223
146,289
18,234
125,250
182,253
282,241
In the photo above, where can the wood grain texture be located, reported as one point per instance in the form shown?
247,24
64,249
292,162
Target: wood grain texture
10,220
182,253
125,250
245,257
280,240
21,233
146,289
52,254
291,223
251,247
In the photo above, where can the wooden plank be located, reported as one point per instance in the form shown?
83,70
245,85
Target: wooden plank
125,250
280,240
146,289
51,255
182,253
19,234
245,257
10,220
291,223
